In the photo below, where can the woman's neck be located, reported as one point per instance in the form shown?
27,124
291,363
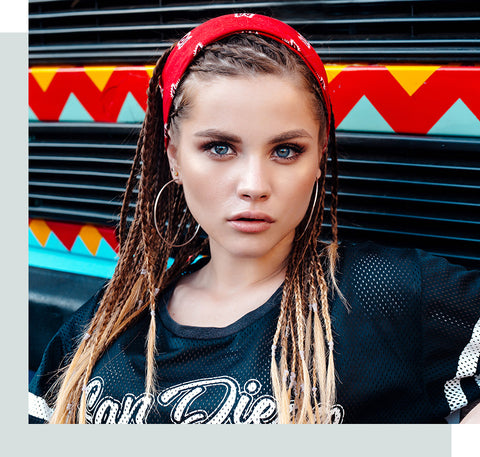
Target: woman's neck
229,274
226,288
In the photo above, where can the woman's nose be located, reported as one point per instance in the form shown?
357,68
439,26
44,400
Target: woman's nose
254,181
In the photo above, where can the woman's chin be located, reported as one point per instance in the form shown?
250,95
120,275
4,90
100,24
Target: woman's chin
256,247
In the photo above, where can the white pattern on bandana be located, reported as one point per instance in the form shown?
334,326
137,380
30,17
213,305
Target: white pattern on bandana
197,48
182,42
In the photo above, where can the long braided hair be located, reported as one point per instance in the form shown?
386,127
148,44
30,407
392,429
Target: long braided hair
302,365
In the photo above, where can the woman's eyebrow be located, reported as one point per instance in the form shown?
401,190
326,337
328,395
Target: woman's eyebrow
219,135
231,138
290,135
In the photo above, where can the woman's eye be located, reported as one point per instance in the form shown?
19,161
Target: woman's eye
284,152
220,149
288,152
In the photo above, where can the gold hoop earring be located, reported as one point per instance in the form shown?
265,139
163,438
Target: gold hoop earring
172,245
311,211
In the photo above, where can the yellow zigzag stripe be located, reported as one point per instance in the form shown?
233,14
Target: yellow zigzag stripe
44,76
41,230
149,70
333,70
410,77
99,75
91,237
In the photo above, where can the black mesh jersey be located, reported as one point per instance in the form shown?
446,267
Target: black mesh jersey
407,351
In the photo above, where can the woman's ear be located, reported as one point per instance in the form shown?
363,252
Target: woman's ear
173,161
318,175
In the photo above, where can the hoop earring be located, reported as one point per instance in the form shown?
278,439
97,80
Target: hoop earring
311,211
156,224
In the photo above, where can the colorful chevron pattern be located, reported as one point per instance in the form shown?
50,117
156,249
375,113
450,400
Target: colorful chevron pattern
84,249
74,248
402,99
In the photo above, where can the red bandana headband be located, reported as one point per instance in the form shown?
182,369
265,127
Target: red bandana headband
220,27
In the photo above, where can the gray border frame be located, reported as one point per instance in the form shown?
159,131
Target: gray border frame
24,439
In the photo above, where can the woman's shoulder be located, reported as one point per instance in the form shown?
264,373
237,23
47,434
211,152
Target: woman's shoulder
370,273
88,309
56,356
368,258
75,326
406,272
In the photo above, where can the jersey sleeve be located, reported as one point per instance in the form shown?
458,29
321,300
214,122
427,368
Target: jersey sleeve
55,357
451,312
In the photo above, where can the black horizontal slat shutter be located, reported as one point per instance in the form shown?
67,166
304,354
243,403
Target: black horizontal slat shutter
91,31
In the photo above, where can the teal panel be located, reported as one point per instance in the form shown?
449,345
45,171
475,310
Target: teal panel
54,244
32,240
105,251
80,248
363,117
31,115
131,111
73,111
457,121
71,263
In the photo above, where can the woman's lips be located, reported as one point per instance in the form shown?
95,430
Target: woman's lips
251,222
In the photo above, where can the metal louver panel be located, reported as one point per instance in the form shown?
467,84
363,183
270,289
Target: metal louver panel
75,176
412,191
398,190
341,30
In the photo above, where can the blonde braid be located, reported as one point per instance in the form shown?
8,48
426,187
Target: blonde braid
312,413
278,383
303,376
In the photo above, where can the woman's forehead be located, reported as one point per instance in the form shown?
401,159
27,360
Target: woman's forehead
271,95
267,99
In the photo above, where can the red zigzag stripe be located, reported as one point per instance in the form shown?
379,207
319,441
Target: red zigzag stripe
405,114
103,106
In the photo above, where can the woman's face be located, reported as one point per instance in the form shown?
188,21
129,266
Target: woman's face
248,156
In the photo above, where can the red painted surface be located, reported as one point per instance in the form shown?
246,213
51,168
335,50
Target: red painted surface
416,114
103,106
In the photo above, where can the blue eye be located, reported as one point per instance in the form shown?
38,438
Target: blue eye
220,149
287,152
284,152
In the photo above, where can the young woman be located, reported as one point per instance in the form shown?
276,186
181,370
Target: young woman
256,320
